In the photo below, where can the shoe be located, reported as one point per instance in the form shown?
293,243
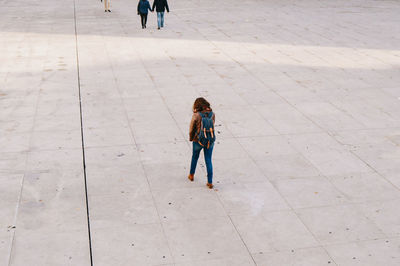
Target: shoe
105,10
109,10
210,186
191,177
158,27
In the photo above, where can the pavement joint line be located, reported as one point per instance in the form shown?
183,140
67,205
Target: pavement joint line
82,138
23,172
374,170
15,218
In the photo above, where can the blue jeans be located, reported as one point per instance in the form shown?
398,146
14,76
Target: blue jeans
207,157
160,19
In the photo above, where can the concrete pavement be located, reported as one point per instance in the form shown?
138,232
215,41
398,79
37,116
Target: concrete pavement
94,151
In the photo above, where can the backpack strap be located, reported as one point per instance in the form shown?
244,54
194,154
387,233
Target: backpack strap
208,114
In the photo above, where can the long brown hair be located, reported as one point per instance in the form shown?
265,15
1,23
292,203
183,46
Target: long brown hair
200,105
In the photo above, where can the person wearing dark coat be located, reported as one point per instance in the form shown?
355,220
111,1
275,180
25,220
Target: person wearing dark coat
142,9
160,6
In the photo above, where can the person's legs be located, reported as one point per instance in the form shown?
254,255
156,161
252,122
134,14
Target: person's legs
208,159
195,157
142,19
162,19
159,19
145,20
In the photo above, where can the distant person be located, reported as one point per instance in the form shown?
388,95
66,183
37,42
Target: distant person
201,133
160,5
107,4
142,9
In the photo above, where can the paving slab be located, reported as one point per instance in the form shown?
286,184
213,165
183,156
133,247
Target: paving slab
94,150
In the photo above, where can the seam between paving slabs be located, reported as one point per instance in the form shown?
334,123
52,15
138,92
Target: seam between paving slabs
82,138
25,170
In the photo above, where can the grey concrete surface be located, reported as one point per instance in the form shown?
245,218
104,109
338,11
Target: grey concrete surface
307,159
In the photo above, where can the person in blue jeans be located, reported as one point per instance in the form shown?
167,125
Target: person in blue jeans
142,10
160,6
201,107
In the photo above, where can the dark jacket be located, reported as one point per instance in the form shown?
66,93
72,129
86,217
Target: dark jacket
160,5
143,7
195,125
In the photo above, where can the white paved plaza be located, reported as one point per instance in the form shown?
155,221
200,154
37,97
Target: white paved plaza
307,160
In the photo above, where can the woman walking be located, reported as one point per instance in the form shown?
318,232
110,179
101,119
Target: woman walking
201,133
142,9
107,4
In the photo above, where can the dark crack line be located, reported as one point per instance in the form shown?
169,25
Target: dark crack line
82,138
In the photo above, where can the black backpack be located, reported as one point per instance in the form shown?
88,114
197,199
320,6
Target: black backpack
206,135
